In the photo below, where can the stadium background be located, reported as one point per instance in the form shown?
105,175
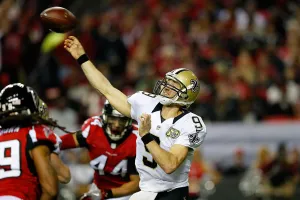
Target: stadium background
245,53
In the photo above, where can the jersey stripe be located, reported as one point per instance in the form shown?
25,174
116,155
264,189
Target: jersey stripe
57,144
86,132
32,134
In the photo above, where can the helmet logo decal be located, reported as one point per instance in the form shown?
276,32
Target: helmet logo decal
194,85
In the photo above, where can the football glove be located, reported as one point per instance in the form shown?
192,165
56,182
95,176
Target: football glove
96,194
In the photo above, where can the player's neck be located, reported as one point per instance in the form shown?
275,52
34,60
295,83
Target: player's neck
170,111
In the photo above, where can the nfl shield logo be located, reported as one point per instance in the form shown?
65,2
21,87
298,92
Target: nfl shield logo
173,133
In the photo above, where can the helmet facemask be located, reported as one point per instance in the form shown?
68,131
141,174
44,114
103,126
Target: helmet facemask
171,90
116,125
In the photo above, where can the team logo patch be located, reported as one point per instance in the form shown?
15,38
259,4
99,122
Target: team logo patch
194,85
193,138
173,133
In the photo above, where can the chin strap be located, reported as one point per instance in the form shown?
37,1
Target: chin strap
166,101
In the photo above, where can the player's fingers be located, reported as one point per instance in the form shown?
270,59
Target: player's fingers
68,42
142,118
67,48
68,45
146,118
144,115
72,37
143,121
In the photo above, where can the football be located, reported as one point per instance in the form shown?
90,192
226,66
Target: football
58,19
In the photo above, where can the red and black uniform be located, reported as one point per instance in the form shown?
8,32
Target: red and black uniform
113,162
18,176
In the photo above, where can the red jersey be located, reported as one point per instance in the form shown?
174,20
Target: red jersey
196,171
113,162
18,175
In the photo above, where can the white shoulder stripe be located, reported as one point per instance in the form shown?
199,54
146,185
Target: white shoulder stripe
97,122
86,132
32,134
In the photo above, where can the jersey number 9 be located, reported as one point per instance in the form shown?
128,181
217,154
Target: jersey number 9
152,164
10,159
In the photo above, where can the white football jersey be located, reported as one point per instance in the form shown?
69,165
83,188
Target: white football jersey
186,129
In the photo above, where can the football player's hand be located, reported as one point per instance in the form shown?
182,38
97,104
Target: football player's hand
92,195
96,194
74,47
145,124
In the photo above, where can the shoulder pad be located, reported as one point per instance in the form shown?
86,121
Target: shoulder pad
96,120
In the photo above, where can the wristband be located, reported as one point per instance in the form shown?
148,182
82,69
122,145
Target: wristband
108,194
82,59
147,138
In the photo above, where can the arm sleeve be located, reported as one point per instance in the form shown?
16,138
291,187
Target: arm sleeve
81,139
191,139
84,137
193,133
133,101
42,135
139,103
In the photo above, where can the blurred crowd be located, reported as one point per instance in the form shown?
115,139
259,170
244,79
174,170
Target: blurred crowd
246,53
270,176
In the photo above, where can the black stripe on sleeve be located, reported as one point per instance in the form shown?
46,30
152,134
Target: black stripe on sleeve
131,169
81,140
31,145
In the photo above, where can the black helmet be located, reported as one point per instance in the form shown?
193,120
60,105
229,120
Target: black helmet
18,99
125,124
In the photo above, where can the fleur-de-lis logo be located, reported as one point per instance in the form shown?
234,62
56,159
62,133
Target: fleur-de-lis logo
193,138
195,85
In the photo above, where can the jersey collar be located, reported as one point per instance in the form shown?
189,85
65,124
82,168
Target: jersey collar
159,106
184,112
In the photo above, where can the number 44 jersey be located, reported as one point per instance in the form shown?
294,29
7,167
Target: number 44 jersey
187,129
18,175
113,162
